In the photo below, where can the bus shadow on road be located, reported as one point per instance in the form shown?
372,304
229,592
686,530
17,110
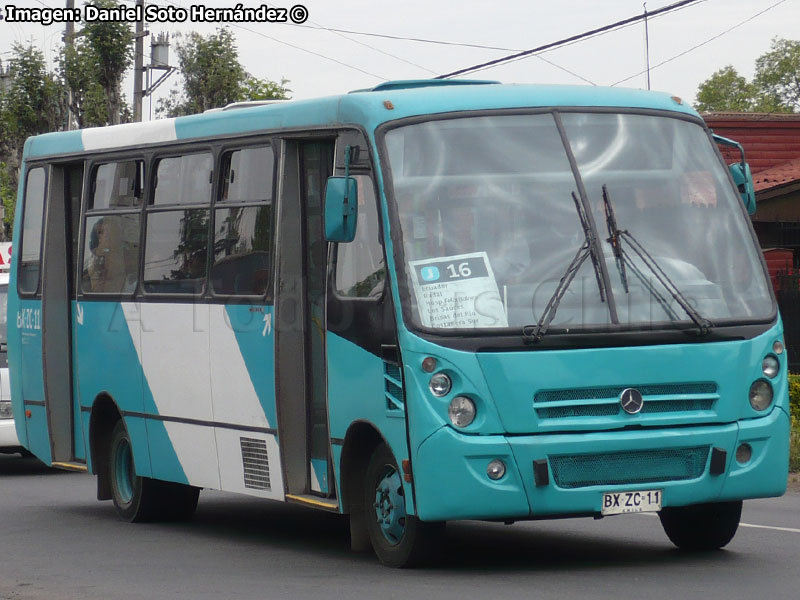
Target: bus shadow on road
16,465
469,546
482,547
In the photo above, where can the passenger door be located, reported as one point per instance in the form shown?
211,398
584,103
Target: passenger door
302,264
58,293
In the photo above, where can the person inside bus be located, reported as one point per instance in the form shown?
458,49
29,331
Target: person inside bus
107,271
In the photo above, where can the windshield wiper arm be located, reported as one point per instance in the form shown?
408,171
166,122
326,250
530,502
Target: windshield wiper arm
703,324
535,333
614,238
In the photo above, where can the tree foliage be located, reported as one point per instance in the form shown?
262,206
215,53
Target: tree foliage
775,87
725,90
33,105
93,69
778,73
214,77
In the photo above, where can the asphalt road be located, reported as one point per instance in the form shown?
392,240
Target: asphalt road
57,542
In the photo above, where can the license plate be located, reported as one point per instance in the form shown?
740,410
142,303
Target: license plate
617,503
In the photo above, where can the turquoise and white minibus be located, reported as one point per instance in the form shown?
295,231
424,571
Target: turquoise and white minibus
416,303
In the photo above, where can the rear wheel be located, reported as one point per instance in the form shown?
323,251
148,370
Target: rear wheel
702,526
140,498
399,539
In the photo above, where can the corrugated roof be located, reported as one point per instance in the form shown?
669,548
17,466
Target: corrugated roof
781,174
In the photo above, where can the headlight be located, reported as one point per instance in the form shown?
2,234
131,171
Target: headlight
461,411
770,366
777,347
440,385
760,395
5,410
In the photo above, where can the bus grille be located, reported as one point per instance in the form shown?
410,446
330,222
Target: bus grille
394,386
603,401
256,463
623,468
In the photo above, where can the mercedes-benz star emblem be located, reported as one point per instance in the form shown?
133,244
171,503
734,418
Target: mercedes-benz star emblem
631,401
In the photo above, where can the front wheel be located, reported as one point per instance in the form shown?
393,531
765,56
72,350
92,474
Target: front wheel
140,498
702,526
399,539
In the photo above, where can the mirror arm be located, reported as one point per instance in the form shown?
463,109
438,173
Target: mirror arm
730,144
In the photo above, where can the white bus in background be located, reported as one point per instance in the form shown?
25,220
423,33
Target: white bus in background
8,434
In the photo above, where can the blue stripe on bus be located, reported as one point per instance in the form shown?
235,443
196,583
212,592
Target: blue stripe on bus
255,337
65,142
108,363
368,109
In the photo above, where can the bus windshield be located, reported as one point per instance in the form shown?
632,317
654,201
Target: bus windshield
489,222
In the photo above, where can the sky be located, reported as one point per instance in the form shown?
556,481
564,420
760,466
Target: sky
695,40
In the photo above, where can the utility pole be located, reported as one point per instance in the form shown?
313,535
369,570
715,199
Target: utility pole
138,66
69,39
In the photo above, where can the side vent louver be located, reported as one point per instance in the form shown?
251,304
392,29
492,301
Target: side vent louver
394,386
256,463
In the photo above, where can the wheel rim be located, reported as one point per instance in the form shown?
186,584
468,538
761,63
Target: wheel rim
390,506
123,471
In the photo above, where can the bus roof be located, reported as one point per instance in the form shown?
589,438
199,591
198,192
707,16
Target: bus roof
368,108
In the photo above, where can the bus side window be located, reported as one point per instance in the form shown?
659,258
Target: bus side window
176,242
111,254
111,242
117,185
243,224
360,269
32,223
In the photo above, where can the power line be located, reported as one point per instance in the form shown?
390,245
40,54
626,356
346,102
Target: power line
565,41
407,39
316,26
708,41
306,50
381,51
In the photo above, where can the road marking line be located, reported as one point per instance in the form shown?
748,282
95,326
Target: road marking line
789,529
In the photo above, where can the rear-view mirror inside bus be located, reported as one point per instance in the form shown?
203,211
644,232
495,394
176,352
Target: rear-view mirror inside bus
341,209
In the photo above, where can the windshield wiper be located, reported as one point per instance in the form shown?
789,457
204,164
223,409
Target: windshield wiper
535,333
615,239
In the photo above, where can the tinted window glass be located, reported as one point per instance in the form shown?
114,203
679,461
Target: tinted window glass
32,221
184,179
111,254
118,184
247,175
360,271
175,251
242,250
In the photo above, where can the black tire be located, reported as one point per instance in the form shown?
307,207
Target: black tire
141,499
702,527
399,539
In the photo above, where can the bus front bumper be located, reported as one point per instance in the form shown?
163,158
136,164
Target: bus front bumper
567,474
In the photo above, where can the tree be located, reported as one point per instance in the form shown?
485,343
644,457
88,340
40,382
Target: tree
93,69
725,90
775,87
214,77
778,73
33,105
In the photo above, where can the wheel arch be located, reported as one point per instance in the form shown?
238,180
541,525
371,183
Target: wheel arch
361,439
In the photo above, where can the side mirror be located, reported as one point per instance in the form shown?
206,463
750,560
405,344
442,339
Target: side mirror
744,182
741,175
341,209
